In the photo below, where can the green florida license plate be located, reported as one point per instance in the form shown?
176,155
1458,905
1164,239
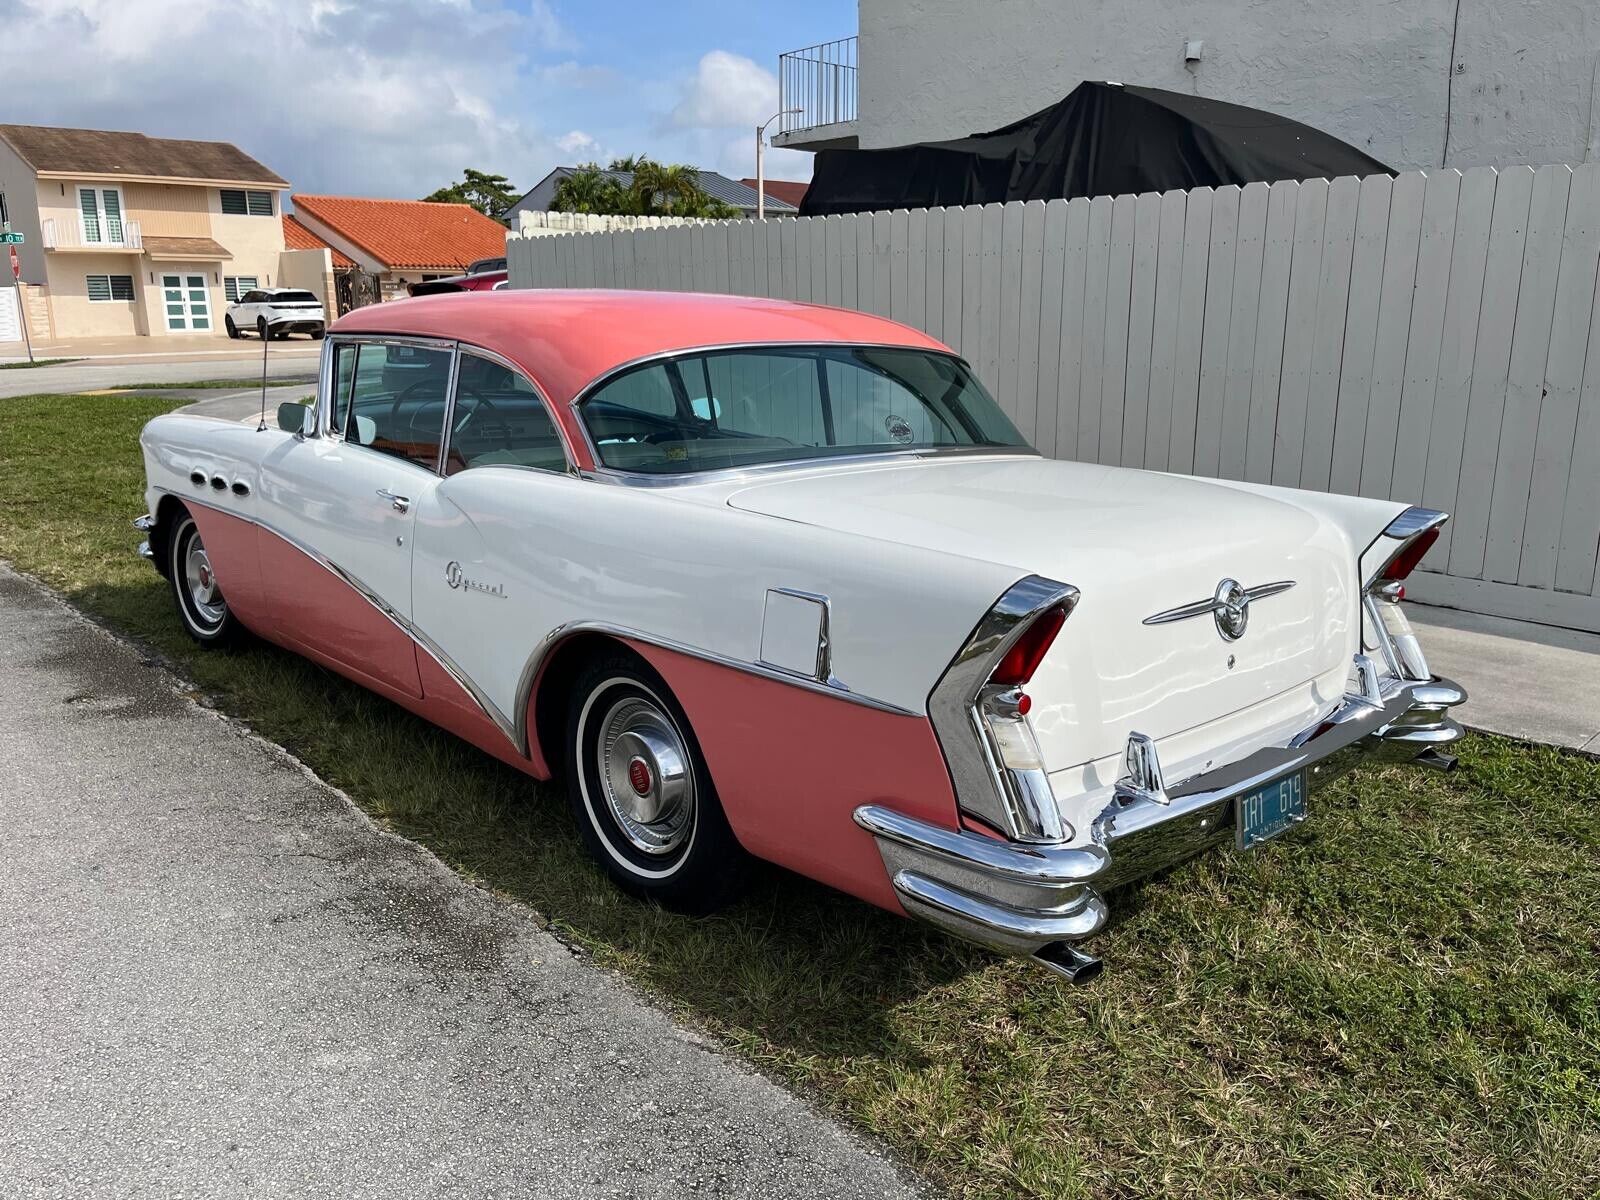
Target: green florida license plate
1267,811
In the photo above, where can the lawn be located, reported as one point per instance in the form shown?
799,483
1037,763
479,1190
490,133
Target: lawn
217,384
1402,999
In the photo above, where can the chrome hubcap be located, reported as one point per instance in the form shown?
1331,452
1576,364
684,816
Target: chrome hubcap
203,590
644,771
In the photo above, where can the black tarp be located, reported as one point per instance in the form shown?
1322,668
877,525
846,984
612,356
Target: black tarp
1105,139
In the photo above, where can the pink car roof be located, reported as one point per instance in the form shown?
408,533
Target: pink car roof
564,340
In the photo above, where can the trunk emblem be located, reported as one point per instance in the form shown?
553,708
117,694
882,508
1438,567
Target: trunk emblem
1229,605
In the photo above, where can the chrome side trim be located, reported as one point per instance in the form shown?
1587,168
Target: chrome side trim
833,688
980,779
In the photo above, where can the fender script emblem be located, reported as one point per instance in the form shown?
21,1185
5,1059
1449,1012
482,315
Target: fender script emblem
1230,605
458,580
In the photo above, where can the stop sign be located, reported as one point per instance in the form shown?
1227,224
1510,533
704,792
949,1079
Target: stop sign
16,263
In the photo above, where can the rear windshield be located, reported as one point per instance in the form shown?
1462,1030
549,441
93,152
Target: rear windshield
291,298
764,404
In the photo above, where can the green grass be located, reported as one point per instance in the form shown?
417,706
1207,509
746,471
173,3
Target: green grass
38,362
216,384
1402,999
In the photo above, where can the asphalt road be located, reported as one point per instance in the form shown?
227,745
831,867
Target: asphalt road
284,359
220,979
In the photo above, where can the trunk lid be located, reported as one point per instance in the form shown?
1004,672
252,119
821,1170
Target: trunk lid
1135,544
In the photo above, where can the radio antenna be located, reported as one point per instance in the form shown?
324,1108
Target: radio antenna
266,336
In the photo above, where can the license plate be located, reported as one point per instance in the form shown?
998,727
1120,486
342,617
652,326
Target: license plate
1268,811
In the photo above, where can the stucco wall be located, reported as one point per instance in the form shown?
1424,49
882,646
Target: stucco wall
1374,72
312,270
255,242
17,181
75,315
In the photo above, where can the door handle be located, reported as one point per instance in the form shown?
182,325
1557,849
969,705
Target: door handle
397,502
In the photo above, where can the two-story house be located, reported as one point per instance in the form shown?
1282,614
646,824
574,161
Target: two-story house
126,234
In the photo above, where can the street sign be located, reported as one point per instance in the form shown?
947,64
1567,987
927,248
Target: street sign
14,238
16,264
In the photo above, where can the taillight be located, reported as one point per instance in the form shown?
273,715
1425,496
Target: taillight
1019,663
1406,561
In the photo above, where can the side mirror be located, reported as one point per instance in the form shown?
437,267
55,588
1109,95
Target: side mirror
296,418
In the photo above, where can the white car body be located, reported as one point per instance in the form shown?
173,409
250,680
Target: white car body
833,629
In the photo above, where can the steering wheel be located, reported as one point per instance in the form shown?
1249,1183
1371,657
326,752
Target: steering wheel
480,404
403,396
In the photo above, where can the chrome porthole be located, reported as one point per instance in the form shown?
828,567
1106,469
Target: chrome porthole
645,776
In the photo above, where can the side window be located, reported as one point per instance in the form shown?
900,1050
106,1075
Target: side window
500,420
344,371
398,401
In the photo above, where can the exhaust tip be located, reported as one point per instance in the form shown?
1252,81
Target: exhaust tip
1065,959
1438,760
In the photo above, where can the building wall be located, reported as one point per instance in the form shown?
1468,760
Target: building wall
1376,73
312,270
255,242
17,181
75,315
169,209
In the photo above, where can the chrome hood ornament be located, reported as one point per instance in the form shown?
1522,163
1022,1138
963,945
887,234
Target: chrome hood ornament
1230,605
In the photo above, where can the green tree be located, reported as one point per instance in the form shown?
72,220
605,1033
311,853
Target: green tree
489,194
654,190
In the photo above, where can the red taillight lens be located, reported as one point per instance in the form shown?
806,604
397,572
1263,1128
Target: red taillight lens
1028,651
1405,562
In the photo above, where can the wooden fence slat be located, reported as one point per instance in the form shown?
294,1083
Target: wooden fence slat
991,234
1048,329
1396,301
1147,231
1178,453
1147,446
1360,333
1457,350
934,279
1502,277
1277,256
955,224
1119,288
1013,220
1570,346
972,286
1333,293
1419,391
883,262
1237,401
1299,331
1069,371
911,272
1030,300
833,237
1216,332
1097,278
1525,382
1580,519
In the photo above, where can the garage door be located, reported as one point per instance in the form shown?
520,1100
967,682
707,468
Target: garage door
10,320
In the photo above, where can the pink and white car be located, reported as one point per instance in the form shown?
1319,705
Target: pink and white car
776,580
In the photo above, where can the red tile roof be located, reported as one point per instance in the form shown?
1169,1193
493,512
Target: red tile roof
409,235
297,237
782,189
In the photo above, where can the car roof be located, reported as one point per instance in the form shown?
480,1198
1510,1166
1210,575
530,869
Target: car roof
565,339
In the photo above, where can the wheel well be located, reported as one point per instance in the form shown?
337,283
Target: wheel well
553,689
166,515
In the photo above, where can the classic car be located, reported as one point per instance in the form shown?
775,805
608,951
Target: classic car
774,580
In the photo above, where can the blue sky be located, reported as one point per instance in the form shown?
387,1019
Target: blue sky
394,97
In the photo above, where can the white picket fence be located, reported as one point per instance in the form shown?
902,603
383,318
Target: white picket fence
1424,338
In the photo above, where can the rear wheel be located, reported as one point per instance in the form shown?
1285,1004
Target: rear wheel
199,597
640,791
261,328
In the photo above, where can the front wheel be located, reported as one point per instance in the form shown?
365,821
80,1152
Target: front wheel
200,601
641,793
233,330
261,328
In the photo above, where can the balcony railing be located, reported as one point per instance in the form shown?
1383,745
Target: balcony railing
819,82
68,235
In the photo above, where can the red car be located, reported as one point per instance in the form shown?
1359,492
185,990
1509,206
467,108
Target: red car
482,281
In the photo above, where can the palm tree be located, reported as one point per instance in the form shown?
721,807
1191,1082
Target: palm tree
587,190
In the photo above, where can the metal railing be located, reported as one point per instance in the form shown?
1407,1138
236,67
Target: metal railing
68,235
819,82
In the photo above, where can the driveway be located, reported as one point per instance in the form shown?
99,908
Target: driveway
221,979
296,360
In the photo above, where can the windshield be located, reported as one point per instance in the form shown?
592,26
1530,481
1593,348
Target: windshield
763,404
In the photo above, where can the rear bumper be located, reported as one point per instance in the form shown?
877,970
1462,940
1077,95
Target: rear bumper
1026,898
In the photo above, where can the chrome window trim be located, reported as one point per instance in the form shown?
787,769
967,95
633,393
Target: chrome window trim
652,479
982,784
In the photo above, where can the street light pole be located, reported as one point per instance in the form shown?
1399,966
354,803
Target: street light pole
761,168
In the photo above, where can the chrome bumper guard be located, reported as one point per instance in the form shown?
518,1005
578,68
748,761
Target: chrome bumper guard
1031,898
145,524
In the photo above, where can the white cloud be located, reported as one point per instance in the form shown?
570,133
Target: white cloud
579,144
727,90
390,98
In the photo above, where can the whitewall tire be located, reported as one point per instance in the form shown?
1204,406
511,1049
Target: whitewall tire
195,587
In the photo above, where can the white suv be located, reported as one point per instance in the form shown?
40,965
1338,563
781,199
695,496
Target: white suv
281,311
